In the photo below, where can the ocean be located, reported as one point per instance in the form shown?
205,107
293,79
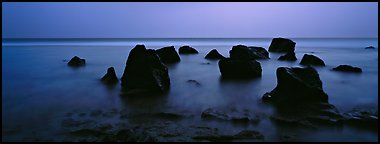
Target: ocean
39,90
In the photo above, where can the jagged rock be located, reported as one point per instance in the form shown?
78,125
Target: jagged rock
311,60
259,52
282,45
168,55
231,68
76,62
297,86
363,119
144,72
214,54
290,56
110,77
347,68
187,50
243,52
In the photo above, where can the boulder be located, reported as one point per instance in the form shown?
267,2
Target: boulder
243,52
312,60
290,56
76,61
347,68
145,72
282,45
110,77
297,86
232,68
259,52
214,54
168,55
187,50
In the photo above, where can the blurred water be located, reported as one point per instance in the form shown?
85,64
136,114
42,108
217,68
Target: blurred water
39,88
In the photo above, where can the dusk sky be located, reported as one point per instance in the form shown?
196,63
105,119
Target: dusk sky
189,20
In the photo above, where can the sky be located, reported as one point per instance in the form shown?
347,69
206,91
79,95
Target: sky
189,19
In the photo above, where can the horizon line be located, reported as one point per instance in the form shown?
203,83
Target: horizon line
198,38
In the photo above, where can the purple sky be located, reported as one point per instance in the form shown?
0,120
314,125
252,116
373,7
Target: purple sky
185,20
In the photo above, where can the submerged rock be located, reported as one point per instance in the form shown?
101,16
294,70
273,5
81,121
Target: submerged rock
242,135
282,45
214,54
168,55
231,68
311,60
363,119
290,56
347,68
194,82
235,116
144,71
110,77
76,62
187,50
370,47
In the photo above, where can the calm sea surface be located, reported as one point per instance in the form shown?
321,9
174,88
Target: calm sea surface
38,88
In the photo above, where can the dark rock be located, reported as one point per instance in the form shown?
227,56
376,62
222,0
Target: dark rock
347,68
145,72
282,45
168,55
76,61
297,86
231,68
243,52
230,115
248,134
194,82
242,135
362,119
370,47
214,54
110,77
169,116
259,52
187,50
72,123
311,60
290,56
205,63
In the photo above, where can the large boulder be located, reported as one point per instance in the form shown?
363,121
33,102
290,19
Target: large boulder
312,60
110,77
168,55
234,68
144,72
214,54
247,53
300,86
187,50
76,61
290,56
282,45
347,68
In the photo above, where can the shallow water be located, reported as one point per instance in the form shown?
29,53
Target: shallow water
39,89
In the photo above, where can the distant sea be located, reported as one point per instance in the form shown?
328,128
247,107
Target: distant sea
39,89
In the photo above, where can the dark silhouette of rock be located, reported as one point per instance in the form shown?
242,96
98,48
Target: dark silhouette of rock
76,61
282,45
312,60
144,72
214,54
187,50
243,52
290,56
168,55
297,86
347,68
110,77
370,47
259,52
232,68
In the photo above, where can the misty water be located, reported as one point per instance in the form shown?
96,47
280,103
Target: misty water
39,90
